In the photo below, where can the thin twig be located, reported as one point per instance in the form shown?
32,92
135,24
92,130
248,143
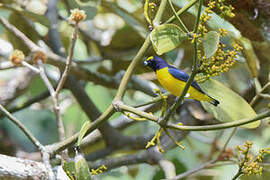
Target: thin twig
265,96
26,64
69,61
45,78
61,129
177,17
181,11
29,102
228,140
255,99
31,45
22,127
60,126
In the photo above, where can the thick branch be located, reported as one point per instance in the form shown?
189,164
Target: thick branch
16,168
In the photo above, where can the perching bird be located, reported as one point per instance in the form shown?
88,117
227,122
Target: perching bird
174,80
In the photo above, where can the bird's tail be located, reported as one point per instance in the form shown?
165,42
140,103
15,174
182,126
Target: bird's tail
213,101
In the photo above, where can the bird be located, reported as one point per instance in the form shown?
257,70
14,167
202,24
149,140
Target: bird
174,80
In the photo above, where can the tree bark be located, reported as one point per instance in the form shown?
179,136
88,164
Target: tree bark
17,168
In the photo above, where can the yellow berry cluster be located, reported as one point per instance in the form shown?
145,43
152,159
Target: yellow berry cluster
202,30
220,62
98,170
225,11
249,163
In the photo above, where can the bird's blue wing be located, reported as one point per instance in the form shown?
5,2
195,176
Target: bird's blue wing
181,75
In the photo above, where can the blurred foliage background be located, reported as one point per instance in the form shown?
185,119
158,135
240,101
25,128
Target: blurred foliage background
108,40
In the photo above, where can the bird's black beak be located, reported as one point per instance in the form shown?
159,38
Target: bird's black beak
145,63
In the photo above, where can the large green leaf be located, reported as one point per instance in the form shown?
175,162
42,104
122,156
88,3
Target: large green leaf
81,167
166,38
210,43
232,107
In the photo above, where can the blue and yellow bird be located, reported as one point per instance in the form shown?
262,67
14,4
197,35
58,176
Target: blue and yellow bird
174,80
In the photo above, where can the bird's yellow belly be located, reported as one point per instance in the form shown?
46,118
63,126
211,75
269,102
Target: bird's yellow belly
176,86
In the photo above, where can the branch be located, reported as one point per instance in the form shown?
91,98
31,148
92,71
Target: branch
139,56
16,168
32,46
177,17
68,63
55,148
258,95
168,168
209,163
29,102
78,71
181,11
187,173
22,127
164,120
220,126
122,107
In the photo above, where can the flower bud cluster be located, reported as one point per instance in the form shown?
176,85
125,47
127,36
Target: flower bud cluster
249,163
99,170
77,15
17,57
220,62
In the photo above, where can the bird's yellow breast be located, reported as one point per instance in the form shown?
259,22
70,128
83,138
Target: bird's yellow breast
170,83
176,86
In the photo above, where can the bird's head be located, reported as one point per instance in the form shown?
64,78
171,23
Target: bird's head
155,63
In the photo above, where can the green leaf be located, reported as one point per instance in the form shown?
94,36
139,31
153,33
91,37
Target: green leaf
81,167
232,107
82,132
210,43
37,86
31,15
166,38
90,7
69,168
36,18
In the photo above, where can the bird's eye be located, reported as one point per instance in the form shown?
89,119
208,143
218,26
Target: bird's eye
145,63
